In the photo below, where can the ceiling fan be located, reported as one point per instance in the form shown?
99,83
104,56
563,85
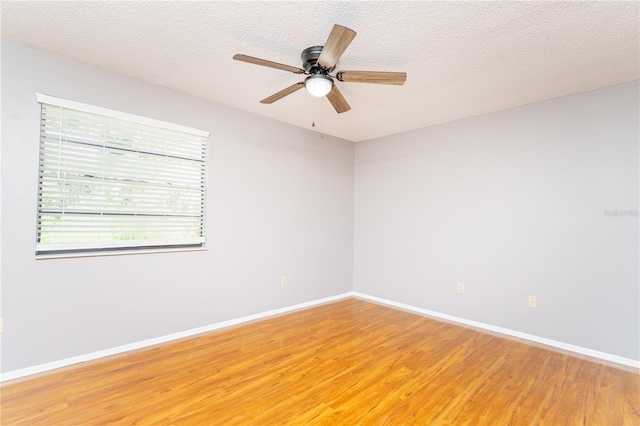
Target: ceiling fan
318,62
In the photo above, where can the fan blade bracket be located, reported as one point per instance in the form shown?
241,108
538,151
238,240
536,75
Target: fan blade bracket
372,77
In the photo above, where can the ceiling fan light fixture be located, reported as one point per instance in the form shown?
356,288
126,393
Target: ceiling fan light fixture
318,85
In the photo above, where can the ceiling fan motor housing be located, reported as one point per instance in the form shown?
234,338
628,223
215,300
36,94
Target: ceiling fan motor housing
310,57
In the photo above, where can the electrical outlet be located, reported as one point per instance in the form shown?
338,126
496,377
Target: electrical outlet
1,325
283,280
460,288
533,301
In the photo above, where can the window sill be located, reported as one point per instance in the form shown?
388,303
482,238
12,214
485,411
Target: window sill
118,252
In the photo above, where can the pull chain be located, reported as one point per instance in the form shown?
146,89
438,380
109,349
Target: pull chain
321,120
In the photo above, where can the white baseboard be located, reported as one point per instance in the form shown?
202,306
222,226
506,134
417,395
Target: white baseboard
548,342
10,375
167,338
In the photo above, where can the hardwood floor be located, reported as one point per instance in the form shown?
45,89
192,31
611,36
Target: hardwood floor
345,363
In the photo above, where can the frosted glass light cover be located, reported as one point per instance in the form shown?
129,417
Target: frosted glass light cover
318,85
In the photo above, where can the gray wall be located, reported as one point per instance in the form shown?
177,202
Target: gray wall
511,204
280,203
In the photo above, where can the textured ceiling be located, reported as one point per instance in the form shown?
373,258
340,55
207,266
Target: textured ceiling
462,58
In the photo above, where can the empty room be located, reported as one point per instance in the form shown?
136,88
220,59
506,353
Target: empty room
336,213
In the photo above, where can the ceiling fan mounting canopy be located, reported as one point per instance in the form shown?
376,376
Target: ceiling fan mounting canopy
310,57
318,62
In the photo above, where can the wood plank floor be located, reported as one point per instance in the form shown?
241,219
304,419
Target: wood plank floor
345,363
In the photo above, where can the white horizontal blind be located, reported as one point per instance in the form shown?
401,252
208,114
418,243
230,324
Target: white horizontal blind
108,183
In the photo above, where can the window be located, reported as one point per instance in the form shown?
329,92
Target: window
111,181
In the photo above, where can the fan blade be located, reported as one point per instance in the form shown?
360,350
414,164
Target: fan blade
375,77
265,63
281,94
338,101
336,44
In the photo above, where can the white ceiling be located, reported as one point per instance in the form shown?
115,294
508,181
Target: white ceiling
462,58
